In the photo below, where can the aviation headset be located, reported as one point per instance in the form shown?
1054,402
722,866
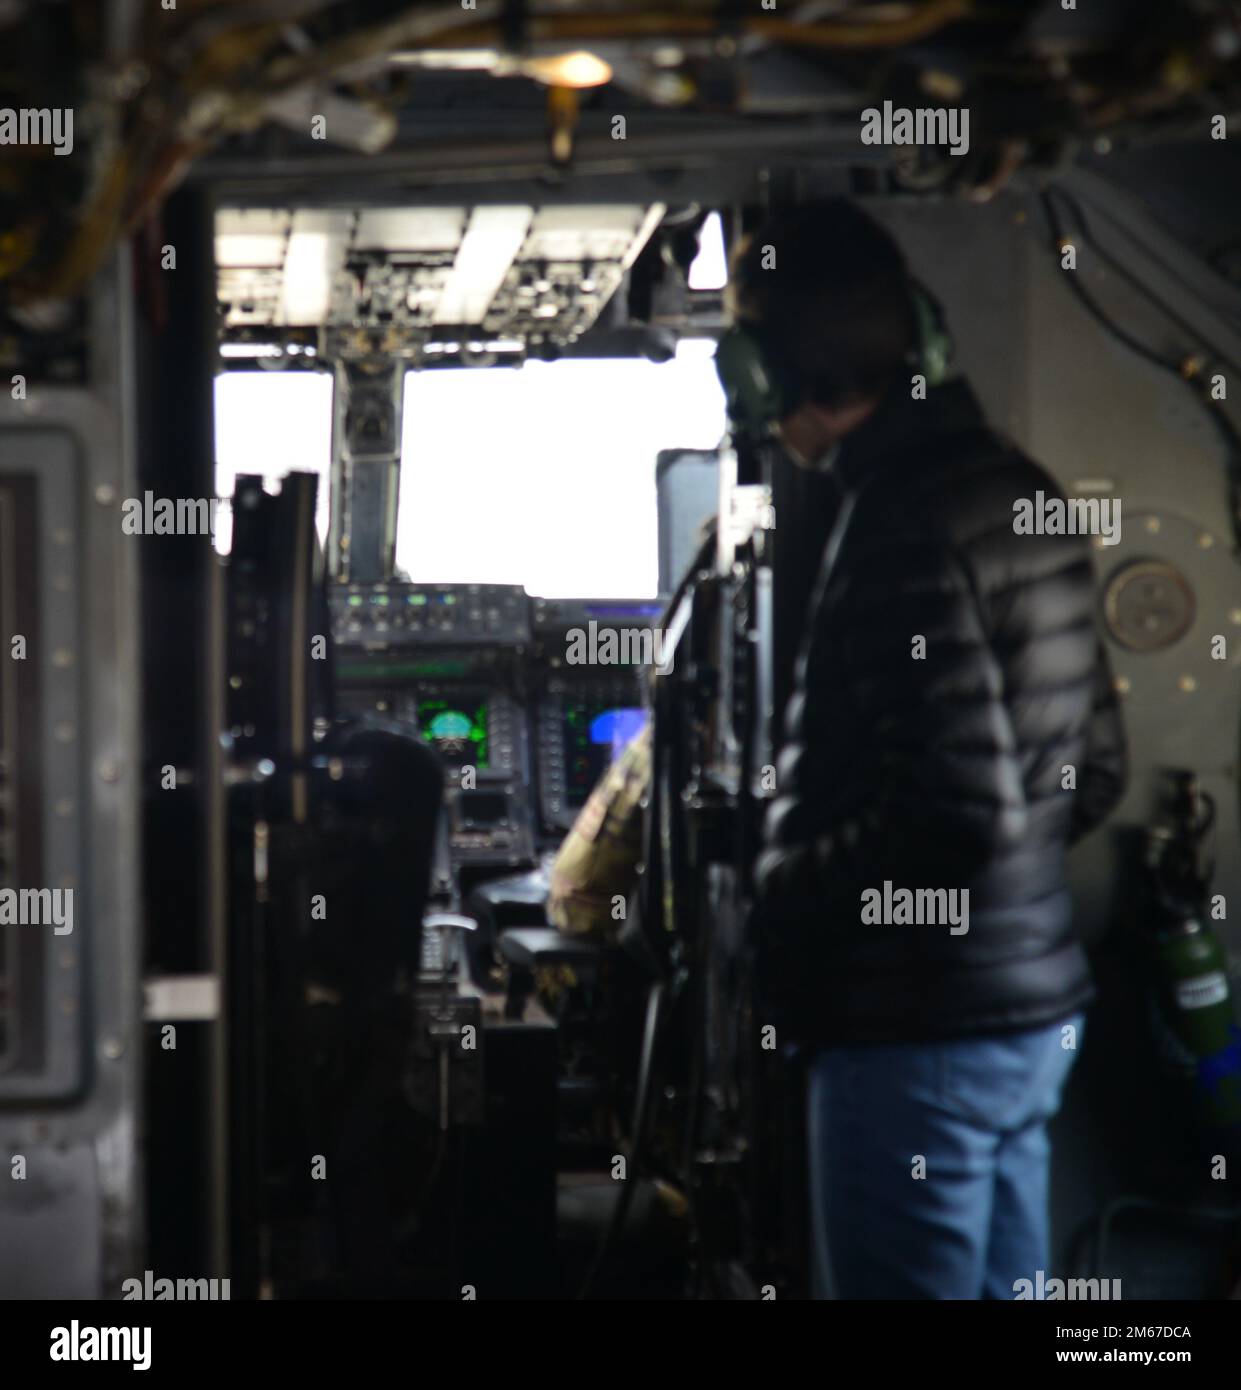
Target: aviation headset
762,386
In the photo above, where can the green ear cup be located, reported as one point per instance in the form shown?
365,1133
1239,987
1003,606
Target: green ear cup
755,393
759,389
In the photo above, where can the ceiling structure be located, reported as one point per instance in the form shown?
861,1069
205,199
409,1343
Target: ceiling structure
332,104
417,282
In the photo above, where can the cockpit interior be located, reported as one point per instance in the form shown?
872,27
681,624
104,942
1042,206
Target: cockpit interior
361,438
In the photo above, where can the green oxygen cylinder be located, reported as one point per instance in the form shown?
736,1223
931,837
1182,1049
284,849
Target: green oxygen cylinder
1191,967
1196,1002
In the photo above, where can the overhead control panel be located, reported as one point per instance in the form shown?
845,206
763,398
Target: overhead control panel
423,285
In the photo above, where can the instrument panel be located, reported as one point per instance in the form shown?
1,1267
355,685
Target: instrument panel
495,682
583,728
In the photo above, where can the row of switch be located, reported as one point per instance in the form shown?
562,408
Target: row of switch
489,610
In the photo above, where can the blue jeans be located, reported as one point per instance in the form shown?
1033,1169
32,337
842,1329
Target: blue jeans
975,1111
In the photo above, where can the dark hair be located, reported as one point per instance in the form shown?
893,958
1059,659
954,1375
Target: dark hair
829,293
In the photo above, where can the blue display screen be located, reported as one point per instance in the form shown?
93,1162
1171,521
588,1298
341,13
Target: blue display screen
594,738
615,727
624,610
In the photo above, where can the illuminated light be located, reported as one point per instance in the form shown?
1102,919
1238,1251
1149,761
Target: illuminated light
450,59
576,70
315,253
492,240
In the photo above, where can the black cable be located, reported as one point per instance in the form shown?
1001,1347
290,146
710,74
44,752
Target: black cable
1092,306
1231,438
1223,425
1129,276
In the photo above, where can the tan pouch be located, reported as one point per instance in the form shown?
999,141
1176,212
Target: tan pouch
599,858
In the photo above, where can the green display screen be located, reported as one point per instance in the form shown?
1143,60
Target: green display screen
457,731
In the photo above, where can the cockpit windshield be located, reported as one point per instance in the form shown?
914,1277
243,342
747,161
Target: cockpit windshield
542,475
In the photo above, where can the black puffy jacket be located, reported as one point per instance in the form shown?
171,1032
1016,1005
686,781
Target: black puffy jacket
941,764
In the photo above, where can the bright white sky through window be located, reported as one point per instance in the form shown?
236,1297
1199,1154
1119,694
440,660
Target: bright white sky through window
545,475
709,269
271,423
542,476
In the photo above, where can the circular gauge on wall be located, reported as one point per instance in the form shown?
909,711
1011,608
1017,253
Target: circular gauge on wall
1148,605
